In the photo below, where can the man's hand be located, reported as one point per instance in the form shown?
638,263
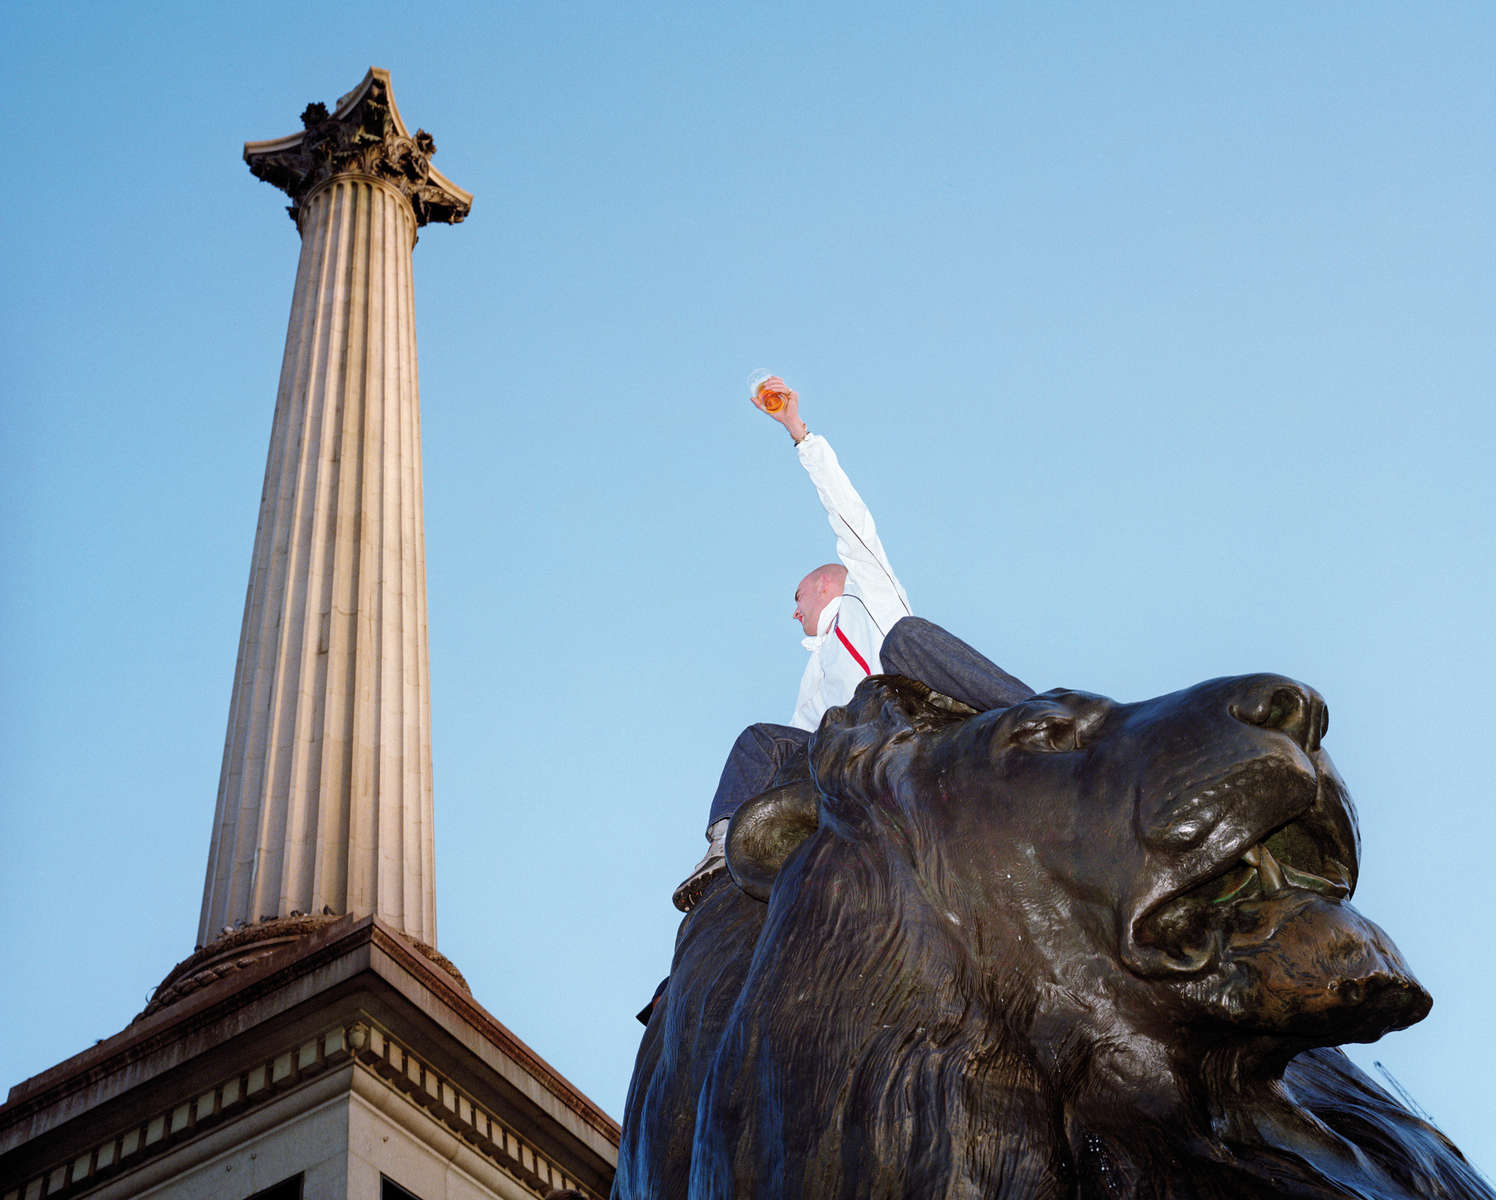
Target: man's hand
789,414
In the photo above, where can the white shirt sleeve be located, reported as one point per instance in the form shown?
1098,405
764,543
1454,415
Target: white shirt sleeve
870,577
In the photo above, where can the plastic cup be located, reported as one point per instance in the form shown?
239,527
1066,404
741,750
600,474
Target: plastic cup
772,399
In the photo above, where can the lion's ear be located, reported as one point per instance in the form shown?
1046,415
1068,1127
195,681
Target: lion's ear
848,751
766,830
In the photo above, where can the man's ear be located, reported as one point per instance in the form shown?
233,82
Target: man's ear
765,831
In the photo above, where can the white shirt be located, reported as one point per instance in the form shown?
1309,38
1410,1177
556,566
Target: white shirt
852,626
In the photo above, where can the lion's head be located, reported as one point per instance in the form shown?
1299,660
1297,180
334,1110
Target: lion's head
1186,858
1072,947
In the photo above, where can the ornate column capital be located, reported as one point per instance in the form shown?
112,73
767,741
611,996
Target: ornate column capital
363,136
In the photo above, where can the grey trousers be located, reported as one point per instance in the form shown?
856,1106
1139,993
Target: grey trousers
766,756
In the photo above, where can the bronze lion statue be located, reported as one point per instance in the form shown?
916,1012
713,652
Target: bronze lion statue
1072,948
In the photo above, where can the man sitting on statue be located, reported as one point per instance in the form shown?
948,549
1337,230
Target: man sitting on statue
857,622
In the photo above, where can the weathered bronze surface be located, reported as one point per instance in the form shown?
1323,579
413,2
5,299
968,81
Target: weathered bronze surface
1072,948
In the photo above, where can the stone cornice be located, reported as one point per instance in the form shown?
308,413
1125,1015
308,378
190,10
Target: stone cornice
363,136
456,997
339,951
322,1063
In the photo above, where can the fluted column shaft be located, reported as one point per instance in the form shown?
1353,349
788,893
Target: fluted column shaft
325,798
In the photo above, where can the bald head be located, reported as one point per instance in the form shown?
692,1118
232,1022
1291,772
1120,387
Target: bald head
816,590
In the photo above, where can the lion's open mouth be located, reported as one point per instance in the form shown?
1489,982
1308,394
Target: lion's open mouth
1288,858
1303,856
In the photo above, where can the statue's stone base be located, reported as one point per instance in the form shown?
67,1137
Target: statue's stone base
340,1053
245,946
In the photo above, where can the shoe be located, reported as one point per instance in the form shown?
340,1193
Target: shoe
712,864
689,894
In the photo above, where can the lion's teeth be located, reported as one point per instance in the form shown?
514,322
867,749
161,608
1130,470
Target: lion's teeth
1315,883
1268,870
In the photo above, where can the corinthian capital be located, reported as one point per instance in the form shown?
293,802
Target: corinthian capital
363,136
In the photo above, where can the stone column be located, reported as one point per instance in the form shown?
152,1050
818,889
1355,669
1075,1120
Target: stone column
325,798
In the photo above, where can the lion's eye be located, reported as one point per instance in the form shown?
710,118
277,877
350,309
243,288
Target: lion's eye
1051,733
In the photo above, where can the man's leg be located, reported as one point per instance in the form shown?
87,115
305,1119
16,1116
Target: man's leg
755,763
763,756
922,650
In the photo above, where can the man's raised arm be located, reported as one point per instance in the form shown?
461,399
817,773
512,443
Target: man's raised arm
870,576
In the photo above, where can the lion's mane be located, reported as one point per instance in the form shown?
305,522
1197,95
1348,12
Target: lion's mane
928,1061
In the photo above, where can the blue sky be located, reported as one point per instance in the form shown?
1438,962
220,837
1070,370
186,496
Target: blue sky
1158,337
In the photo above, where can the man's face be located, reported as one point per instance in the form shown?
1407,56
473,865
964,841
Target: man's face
811,597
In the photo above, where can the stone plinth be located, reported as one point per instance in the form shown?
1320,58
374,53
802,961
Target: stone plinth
343,1056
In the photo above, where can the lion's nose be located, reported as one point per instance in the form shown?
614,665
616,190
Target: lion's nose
1273,702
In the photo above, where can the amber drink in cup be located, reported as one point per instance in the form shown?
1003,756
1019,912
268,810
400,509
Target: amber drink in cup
772,398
